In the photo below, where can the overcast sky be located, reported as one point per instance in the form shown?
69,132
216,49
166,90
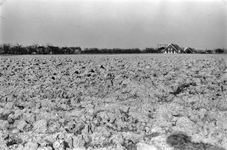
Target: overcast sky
114,23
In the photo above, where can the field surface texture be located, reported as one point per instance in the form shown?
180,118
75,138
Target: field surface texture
115,102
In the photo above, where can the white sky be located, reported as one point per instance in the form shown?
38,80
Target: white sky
114,23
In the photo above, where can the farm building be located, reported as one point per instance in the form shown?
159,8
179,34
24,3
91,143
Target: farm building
172,49
188,50
161,47
67,50
54,50
41,50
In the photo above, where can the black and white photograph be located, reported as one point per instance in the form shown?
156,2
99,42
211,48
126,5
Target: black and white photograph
113,74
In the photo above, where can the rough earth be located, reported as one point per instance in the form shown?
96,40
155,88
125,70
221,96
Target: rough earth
113,103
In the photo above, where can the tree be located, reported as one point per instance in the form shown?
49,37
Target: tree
219,50
152,50
18,49
6,48
209,51
32,49
1,49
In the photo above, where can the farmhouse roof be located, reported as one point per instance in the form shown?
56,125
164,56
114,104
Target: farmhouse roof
53,47
187,48
66,48
75,48
177,47
40,46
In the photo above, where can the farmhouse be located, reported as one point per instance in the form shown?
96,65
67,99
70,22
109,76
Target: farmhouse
172,49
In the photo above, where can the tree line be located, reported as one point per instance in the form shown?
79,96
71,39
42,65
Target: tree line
49,49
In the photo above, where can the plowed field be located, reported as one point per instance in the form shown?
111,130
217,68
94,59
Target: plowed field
117,102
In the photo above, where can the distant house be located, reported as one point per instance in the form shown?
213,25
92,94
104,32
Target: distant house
172,49
54,50
67,50
161,47
188,50
40,49
76,50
